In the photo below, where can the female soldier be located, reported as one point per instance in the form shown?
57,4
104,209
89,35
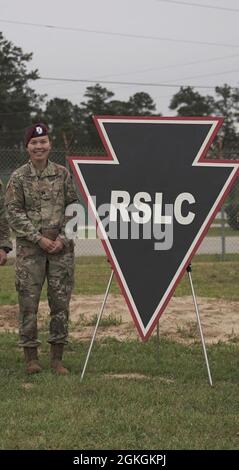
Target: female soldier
36,198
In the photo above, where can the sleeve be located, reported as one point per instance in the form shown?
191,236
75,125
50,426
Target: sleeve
16,214
5,242
70,198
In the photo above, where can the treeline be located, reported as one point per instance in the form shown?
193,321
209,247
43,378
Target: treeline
71,124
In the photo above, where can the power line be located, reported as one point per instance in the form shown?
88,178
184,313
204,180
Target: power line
142,84
205,75
125,35
172,66
110,82
199,5
165,67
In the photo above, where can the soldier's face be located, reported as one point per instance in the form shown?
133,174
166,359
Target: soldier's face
38,149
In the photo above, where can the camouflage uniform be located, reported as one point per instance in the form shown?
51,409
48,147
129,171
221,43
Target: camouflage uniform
36,203
5,242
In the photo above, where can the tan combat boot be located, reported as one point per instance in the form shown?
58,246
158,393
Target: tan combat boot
56,359
32,364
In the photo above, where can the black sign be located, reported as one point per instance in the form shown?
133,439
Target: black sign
154,196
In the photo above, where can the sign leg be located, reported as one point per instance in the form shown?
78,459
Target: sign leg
189,269
97,324
158,342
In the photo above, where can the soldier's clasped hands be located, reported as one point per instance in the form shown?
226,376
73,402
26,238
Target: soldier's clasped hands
3,257
51,246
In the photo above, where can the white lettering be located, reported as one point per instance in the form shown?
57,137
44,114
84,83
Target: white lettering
142,207
119,201
158,218
183,220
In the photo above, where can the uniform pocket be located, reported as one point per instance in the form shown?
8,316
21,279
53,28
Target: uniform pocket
57,191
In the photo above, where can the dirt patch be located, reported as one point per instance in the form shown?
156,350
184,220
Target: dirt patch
135,376
219,319
127,376
27,386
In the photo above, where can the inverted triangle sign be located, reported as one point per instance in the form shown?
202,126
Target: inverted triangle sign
154,196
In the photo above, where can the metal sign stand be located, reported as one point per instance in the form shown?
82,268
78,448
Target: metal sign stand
158,356
189,270
97,324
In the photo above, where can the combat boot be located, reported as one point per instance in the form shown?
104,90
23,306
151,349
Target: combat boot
56,359
32,363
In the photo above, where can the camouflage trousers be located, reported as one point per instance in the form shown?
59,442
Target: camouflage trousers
33,266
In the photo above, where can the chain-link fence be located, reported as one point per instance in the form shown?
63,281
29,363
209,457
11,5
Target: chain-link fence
10,159
222,237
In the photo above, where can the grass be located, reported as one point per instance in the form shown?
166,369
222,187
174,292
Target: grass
190,330
219,232
213,280
110,320
211,277
171,405
132,397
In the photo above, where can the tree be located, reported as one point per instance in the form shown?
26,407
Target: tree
227,105
232,208
97,104
18,101
100,103
64,121
98,99
141,104
119,108
188,102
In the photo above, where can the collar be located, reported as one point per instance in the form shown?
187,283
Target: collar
50,169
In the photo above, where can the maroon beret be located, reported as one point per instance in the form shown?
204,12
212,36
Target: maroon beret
37,130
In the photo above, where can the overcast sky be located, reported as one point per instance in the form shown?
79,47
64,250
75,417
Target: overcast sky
139,41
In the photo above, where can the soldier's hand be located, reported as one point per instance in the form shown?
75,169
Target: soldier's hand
3,257
46,244
59,245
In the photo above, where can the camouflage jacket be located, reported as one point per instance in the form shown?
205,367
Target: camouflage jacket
4,227
36,203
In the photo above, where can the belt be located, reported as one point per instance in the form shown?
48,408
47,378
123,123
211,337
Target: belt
51,233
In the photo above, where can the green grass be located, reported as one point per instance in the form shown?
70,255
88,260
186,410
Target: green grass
110,320
212,278
171,405
219,232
